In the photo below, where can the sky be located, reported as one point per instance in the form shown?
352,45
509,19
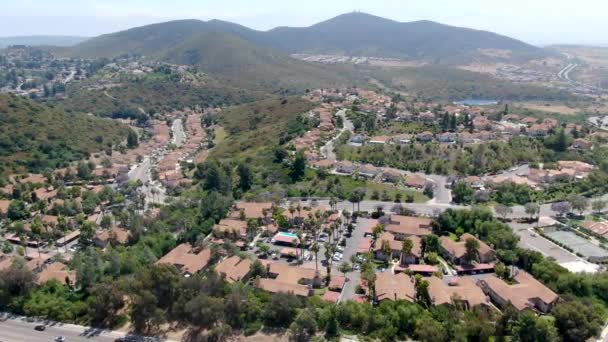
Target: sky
539,22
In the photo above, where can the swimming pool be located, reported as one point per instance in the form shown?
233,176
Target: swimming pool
289,235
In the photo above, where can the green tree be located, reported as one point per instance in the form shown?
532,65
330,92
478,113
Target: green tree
245,177
576,320
132,139
472,250
462,193
298,167
304,327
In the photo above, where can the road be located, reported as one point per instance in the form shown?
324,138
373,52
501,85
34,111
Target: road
179,136
328,149
564,74
18,330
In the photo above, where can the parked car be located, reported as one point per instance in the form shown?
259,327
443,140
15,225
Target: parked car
275,256
59,339
40,327
340,248
356,267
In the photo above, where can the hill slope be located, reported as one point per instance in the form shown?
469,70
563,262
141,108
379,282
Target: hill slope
360,34
355,34
34,137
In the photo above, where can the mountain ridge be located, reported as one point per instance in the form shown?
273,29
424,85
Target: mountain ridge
354,34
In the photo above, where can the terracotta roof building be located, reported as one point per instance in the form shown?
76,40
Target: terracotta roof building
254,209
56,271
395,287
116,234
404,226
186,260
456,251
526,293
463,291
234,268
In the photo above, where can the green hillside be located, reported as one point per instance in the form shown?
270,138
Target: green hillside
258,125
154,93
242,64
34,137
360,34
355,34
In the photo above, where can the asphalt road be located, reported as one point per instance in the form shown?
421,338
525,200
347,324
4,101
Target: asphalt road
179,136
17,330
328,149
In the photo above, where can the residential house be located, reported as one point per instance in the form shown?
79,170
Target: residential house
115,234
186,259
394,287
526,293
324,164
234,268
379,140
369,171
456,251
415,181
538,130
357,140
482,123
289,279
255,210
403,139
406,226
56,271
424,137
447,137
345,167
462,292
581,145
391,176
231,228
396,247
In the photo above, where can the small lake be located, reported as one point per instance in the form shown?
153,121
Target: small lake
471,102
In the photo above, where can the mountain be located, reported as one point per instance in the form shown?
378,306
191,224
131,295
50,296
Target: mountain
354,34
34,137
63,41
218,48
360,34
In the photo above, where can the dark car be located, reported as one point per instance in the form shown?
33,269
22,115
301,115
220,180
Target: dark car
40,327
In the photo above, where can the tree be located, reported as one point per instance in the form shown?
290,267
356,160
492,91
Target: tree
561,208
462,193
578,203
377,230
17,210
532,209
369,275
530,328
472,250
298,167
245,177
132,139
577,320
315,248
423,296
598,206
345,267
104,304
304,327
503,210
431,243
430,330
281,310
252,228
406,249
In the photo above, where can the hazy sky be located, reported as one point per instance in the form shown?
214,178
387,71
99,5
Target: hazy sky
534,21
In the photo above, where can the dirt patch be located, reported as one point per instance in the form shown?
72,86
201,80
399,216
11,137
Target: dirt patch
551,108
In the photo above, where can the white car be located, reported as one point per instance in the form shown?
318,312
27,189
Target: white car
340,249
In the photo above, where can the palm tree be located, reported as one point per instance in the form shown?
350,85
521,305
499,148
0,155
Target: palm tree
385,248
315,249
291,210
332,203
346,215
